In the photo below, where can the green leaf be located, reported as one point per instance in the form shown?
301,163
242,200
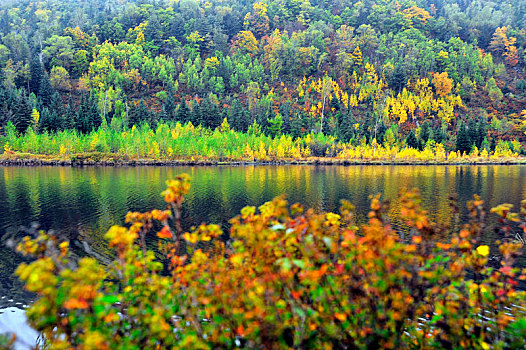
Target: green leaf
109,299
299,263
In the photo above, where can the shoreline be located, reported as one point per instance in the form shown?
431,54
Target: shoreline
115,160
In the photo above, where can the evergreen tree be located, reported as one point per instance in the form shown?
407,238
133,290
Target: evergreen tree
49,120
296,125
398,78
69,115
285,112
94,117
275,126
21,112
169,106
196,115
335,104
412,141
439,134
485,145
57,107
45,92
88,117
381,128
463,143
473,133
481,132
162,115
237,116
82,123
153,32
210,114
425,132
139,114
6,101
37,72
345,126
182,114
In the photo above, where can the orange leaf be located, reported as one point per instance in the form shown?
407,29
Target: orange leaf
76,304
340,316
165,233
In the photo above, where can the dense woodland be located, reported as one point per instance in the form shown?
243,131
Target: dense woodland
405,72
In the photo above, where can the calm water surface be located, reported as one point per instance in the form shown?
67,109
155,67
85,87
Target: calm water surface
82,203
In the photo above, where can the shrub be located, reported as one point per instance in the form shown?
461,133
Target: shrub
288,279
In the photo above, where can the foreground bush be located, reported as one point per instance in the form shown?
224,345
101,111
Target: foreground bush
287,278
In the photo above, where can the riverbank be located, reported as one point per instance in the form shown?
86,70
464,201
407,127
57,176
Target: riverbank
112,159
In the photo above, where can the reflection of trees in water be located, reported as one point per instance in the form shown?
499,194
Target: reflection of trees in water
82,204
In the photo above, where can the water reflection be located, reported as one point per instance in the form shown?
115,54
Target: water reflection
82,203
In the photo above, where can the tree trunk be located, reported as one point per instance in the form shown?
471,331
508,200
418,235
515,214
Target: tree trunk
322,110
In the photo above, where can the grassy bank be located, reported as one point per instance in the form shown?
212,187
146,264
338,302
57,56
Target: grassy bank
115,159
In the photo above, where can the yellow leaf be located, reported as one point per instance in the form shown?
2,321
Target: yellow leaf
340,316
483,250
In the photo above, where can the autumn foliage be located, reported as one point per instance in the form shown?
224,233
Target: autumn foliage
285,278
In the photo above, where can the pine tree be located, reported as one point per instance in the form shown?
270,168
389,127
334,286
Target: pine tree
196,115
81,121
21,110
463,143
57,107
169,106
93,113
275,126
439,134
335,104
45,92
472,132
345,126
398,78
481,132
139,114
69,115
485,145
412,141
47,120
425,132
37,72
237,116
210,114
296,125
183,113
381,128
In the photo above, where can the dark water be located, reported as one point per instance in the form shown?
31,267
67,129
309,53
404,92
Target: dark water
82,203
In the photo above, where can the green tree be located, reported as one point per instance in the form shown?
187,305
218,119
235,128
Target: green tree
45,91
59,78
463,142
345,126
59,50
139,114
80,63
182,114
412,141
22,110
37,72
275,125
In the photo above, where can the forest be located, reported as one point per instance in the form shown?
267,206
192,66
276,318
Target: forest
408,74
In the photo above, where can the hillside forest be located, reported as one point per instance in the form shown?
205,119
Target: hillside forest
382,72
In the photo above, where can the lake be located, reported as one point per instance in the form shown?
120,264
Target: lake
82,203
